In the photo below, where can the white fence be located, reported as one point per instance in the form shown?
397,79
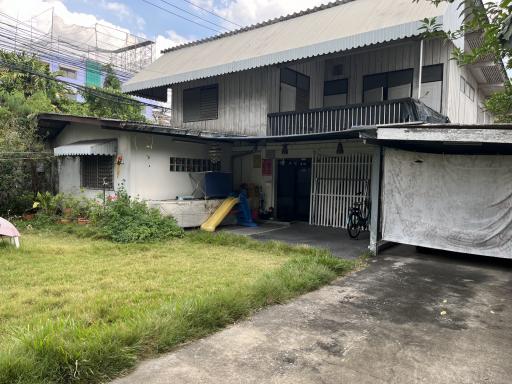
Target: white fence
335,187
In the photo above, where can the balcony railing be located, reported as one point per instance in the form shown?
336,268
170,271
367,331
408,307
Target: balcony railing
336,119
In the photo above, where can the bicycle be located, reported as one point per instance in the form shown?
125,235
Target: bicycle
358,217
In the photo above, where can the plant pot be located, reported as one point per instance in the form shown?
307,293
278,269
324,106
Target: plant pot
28,216
82,221
67,212
65,221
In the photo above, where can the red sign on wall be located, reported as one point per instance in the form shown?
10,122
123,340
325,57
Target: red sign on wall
266,167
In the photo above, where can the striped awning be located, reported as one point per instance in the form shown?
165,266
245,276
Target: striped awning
88,148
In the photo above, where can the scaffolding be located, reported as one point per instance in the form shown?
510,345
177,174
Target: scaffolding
49,35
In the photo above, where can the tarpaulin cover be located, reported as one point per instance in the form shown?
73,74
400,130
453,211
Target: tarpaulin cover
460,203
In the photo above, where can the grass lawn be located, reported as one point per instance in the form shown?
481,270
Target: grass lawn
82,310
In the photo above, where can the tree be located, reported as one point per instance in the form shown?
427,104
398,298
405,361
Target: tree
27,88
111,102
494,20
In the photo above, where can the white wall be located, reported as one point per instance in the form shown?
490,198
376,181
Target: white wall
461,109
145,170
69,167
150,173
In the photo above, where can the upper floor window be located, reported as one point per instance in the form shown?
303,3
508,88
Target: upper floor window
70,73
294,92
201,103
335,93
467,89
432,86
97,172
388,86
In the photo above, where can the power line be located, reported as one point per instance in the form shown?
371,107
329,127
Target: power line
102,94
24,37
212,13
180,16
193,14
29,30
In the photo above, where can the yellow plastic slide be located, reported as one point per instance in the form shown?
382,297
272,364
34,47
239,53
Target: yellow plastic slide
220,213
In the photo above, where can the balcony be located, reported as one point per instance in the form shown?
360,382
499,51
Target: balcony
337,119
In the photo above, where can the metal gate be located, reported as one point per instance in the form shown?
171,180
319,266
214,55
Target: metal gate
336,182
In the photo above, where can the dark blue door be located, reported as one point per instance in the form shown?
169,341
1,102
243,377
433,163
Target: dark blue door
293,189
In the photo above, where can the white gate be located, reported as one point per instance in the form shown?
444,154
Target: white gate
337,182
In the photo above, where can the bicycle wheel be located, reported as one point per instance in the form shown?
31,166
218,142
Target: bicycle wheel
353,227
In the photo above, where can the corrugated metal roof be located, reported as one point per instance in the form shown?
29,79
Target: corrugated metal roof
88,148
337,28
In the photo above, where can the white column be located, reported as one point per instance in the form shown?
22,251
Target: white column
375,199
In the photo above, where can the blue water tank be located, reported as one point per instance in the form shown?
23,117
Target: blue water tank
218,184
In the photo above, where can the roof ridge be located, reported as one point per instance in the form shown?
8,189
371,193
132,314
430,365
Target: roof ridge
259,25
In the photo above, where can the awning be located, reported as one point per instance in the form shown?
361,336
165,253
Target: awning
88,148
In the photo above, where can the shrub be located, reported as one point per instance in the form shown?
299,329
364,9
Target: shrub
126,220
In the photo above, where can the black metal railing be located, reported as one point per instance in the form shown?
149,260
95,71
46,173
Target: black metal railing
336,119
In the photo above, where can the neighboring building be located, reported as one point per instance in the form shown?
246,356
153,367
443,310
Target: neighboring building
288,102
88,73
78,52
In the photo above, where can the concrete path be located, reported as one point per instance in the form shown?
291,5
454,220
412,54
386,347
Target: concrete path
334,239
407,318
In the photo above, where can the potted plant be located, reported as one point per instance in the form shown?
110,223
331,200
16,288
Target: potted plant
84,210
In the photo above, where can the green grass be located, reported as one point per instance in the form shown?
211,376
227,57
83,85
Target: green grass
76,310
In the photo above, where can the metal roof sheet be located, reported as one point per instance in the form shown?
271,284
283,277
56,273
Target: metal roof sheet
343,26
88,148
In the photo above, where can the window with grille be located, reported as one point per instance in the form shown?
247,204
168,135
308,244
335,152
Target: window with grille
97,172
182,164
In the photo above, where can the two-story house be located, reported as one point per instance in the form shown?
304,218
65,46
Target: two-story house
280,103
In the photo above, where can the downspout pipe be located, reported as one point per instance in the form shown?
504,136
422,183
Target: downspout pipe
420,77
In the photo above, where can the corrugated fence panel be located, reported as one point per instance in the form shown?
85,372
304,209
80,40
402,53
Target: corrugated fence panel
337,183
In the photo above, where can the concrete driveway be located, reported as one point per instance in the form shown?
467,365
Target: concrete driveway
407,318
298,233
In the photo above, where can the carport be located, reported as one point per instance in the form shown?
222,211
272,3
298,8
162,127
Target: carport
446,187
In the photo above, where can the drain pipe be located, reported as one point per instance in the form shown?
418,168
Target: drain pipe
420,77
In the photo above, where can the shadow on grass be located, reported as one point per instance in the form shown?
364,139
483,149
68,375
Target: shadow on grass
70,351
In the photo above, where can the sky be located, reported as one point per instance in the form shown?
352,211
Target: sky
162,25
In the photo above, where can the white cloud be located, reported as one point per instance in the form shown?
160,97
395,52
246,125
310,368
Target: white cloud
121,9
169,40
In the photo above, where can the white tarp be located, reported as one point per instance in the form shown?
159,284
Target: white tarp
460,203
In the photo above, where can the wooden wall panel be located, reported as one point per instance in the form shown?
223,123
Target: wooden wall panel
245,98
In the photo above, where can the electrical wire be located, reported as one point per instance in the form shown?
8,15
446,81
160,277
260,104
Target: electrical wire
180,16
193,14
212,13
29,32
101,94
